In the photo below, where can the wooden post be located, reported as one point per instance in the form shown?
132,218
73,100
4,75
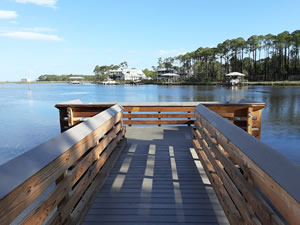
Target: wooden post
159,119
129,118
249,120
189,119
257,122
62,115
70,117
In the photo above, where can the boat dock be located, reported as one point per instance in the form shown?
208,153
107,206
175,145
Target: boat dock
152,163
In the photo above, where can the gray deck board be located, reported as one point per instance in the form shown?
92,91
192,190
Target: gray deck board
157,180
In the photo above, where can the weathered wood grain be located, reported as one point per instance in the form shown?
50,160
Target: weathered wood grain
230,209
278,184
30,174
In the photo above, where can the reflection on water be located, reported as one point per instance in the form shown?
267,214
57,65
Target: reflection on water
28,117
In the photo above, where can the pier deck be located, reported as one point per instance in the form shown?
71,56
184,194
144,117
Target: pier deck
197,164
158,179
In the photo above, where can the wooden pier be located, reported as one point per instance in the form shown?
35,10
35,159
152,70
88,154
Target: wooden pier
152,163
158,179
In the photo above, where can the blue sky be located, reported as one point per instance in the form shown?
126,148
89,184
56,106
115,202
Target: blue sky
72,36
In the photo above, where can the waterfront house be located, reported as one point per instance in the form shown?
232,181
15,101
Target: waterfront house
127,74
167,74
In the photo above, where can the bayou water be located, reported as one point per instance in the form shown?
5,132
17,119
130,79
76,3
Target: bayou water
28,116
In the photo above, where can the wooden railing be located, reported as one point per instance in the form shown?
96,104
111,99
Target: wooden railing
246,115
254,183
55,182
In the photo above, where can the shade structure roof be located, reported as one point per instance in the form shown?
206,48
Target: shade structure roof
235,74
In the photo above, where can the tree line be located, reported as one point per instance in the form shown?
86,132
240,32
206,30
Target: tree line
53,77
260,57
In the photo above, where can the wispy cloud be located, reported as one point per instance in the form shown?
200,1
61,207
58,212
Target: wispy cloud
171,52
38,29
31,36
7,14
48,3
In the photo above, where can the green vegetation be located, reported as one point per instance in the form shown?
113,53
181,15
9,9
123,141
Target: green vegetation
262,58
64,78
150,73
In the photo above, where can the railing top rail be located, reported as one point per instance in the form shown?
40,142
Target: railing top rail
77,102
18,170
282,170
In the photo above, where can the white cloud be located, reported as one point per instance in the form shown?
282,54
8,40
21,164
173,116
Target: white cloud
38,29
171,52
7,14
31,36
13,22
49,3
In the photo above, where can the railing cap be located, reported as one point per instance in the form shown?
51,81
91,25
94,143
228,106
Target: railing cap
78,103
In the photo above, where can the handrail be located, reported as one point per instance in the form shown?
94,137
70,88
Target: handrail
245,172
245,114
75,163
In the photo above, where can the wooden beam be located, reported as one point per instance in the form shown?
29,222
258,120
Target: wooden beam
234,193
61,215
81,210
255,201
30,174
188,115
230,209
277,183
156,122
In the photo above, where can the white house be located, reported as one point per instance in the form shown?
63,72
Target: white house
128,74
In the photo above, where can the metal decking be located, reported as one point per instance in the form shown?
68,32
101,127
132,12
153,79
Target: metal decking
158,179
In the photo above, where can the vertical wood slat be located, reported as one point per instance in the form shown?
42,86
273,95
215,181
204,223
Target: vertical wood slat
287,206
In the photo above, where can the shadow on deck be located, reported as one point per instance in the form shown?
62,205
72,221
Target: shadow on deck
158,179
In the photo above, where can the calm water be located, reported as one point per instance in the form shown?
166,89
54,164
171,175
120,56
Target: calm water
28,118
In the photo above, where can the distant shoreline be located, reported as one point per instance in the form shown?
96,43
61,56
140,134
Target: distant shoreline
263,83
